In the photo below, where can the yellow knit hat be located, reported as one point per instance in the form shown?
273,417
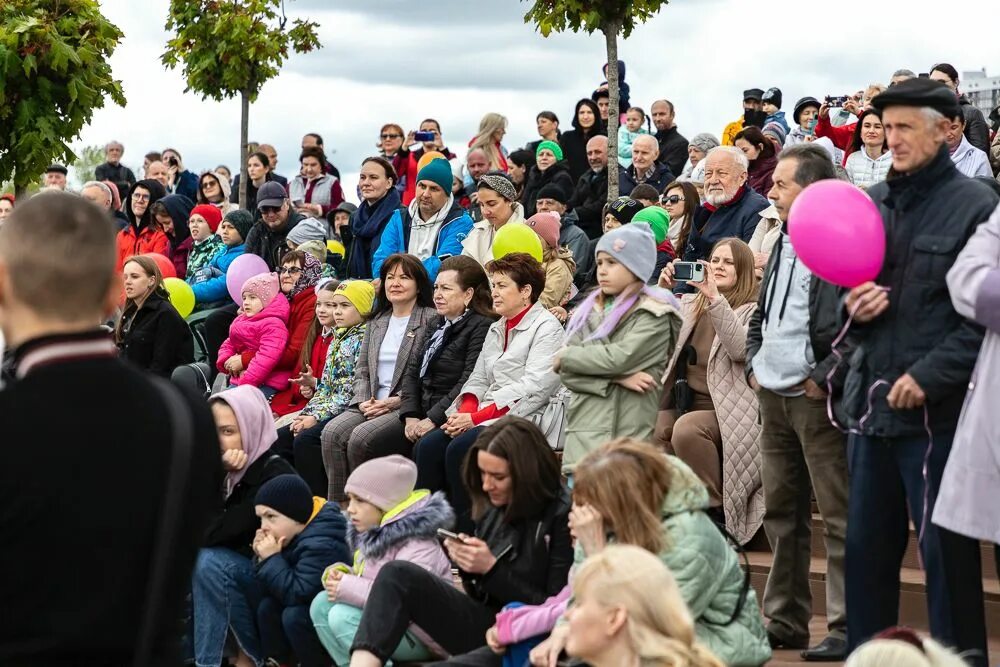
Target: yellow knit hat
360,293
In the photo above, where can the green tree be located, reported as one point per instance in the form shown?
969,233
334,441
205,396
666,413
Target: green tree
85,166
54,74
611,17
231,48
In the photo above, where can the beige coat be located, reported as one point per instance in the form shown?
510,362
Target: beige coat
736,409
479,243
559,269
767,232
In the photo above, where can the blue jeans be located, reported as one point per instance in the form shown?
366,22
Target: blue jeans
439,460
225,595
886,478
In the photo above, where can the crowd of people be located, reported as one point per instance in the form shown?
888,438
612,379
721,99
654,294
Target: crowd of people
403,439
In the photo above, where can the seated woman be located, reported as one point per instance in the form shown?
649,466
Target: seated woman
869,156
680,200
762,156
220,603
150,333
259,173
142,235
214,189
171,214
628,492
313,192
379,201
396,330
708,414
520,552
209,282
513,374
498,205
549,169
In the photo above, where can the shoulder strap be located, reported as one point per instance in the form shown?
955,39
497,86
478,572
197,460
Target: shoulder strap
182,425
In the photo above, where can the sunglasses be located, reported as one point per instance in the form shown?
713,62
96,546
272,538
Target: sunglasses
269,210
290,270
672,199
391,136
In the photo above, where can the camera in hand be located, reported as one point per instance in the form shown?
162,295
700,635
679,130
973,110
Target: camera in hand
693,272
837,101
423,136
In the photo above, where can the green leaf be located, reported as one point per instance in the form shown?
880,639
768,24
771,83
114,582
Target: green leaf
29,63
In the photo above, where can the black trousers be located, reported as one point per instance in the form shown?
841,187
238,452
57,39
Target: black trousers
305,452
216,333
405,593
285,631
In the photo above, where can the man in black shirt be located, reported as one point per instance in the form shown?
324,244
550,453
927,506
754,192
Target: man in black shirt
113,170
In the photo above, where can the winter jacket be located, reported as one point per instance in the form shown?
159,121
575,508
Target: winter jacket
366,379
236,526
738,218
767,232
626,138
290,399
730,131
557,174
970,161
265,336
325,191
559,270
410,193
759,174
842,136
142,235
209,283
201,254
929,215
301,315
293,576
624,90
574,145
119,174
534,555
335,387
865,172
977,131
519,377
157,338
966,502
574,238
186,183
450,367
180,242
673,149
588,201
396,238
628,179
234,196
735,406
271,245
778,118
178,256
599,409
479,243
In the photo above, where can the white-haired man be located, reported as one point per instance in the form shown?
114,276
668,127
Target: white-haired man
645,168
113,170
99,194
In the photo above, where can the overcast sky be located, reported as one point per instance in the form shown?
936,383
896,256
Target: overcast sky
454,60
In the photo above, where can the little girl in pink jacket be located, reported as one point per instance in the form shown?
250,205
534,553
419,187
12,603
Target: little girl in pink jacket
261,328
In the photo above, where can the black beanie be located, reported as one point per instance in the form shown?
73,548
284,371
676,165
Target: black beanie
553,191
241,220
624,209
287,494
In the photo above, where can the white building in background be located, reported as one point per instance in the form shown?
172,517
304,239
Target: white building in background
983,90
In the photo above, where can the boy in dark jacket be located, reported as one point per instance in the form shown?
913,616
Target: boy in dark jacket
299,537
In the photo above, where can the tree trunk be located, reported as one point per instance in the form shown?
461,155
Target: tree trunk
20,193
611,30
244,131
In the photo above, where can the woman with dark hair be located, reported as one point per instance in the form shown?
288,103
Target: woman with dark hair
397,329
681,201
171,214
547,124
379,200
761,154
869,157
142,235
520,551
314,192
259,173
214,189
512,374
587,124
150,333
977,131
520,163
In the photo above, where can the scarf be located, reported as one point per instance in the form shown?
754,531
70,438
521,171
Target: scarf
367,223
203,252
312,271
612,314
423,233
437,338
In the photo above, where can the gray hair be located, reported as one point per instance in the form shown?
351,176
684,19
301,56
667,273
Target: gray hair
113,142
654,146
102,186
903,72
704,142
733,152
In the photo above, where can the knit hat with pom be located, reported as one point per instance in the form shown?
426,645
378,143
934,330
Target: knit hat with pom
265,287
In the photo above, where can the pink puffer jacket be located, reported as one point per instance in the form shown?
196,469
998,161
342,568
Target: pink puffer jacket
265,336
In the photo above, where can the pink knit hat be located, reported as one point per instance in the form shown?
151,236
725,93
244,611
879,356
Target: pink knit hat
263,286
384,482
547,226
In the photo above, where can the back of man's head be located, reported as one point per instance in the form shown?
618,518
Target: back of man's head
57,258
812,163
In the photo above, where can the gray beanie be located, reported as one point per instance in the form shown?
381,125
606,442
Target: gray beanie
633,246
309,229
704,142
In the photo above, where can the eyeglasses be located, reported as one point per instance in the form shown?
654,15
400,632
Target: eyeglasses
292,271
392,136
672,199
269,210
139,197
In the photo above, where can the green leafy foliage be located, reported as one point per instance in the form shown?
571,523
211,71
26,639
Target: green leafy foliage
87,162
54,73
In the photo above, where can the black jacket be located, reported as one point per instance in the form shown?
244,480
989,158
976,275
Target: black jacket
83,493
673,149
824,325
557,174
157,339
234,193
976,129
588,201
574,145
533,556
236,526
928,216
119,174
662,177
269,244
448,370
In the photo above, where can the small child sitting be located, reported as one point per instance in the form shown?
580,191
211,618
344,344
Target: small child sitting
389,521
203,223
299,535
556,260
262,330
629,132
209,282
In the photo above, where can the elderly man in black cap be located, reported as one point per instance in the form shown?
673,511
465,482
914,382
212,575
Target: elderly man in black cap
907,379
55,177
753,114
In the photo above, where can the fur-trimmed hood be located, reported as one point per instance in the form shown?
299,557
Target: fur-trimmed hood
420,520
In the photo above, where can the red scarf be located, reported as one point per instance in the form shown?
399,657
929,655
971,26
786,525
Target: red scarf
739,193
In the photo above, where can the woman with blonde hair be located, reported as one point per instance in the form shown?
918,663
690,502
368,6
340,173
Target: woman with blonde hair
628,609
902,647
491,130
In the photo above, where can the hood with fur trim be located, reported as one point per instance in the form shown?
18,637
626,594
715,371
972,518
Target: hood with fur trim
420,519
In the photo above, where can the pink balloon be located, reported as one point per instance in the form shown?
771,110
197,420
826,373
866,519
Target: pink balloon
837,232
243,268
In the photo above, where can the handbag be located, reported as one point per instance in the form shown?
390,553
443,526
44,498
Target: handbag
681,391
552,420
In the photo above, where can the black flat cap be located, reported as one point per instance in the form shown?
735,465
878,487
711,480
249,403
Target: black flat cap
56,168
753,94
919,93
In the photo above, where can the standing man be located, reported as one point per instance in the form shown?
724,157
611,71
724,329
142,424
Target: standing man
789,357
906,384
673,145
591,190
753,104
89,508
113,170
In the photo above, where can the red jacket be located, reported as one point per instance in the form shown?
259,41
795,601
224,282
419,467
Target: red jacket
300,318
291,399
149,240
840,136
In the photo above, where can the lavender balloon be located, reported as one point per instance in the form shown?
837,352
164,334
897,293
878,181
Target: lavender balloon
243,268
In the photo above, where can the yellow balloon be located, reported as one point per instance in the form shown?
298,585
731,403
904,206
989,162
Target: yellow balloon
336,248
517,237
181,295
428,156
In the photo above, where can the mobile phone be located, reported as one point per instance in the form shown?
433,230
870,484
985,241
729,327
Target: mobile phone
447,534
811,126
837,101
423,136
692,272
298,202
